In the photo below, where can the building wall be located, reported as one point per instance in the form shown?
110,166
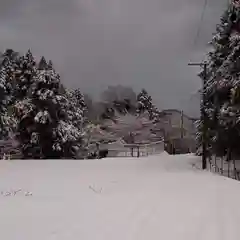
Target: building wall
179,130
172,124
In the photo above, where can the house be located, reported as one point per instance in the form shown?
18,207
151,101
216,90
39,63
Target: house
179,130
178,124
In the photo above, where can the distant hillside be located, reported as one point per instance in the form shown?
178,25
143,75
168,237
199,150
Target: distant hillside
192,107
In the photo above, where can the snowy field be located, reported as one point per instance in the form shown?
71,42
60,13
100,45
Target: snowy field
161,197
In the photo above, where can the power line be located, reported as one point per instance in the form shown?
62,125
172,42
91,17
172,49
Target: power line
203,113
200,22
197,36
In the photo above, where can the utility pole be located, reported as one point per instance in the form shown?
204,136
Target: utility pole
182,129
203,113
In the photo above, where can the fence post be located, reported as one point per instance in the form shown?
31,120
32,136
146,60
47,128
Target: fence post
228,161
228,168
234,169
222,165
215,162
210,163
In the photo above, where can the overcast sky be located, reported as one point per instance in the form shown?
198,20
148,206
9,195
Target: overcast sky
96,43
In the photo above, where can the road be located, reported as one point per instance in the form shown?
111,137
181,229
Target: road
160,197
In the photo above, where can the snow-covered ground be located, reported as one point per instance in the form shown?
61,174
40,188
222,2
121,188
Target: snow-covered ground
159,197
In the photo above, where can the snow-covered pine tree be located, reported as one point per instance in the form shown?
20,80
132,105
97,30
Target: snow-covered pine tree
144,101
223,74
10,54
154,114
24,69
145,104
47,118
77,113
42,64
6,121
76,109
8,62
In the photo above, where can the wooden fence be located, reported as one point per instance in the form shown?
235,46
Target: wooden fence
225,168
137,150
124,150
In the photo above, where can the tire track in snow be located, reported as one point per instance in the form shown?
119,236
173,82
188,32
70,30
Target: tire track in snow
199,224
208,224
154,218
151,218
232,218
214,217
126,228
137,215
141,222
220,221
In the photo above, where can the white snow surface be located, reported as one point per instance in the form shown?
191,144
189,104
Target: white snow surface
158,197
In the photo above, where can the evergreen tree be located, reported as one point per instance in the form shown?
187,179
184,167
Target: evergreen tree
42,64
76,109
145,104
144,101
223,85
6,122
24,70
10,54
47,119
154,114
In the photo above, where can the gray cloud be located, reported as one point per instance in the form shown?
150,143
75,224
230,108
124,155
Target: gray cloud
94,43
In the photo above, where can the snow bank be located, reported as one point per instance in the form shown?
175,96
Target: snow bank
160,197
